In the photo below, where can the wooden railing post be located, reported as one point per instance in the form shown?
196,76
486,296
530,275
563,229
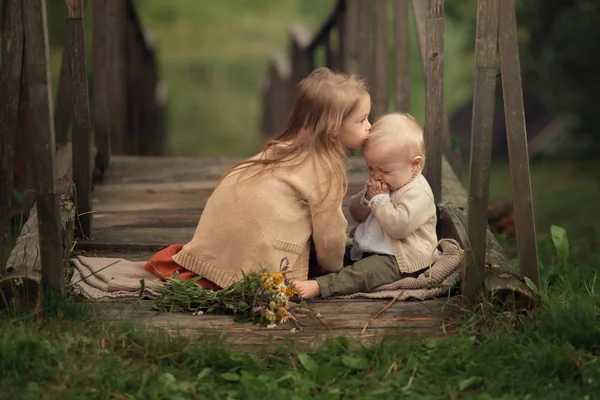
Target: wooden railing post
402,56
434,95
486,41
110,95
365,54
301,60
64,106
381,53
10,90
420,13
82,132
350,34
517,142
37,56
277,93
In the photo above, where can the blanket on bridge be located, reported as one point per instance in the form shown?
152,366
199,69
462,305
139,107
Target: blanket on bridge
102,278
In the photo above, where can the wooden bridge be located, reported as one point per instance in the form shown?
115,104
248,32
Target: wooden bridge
143,201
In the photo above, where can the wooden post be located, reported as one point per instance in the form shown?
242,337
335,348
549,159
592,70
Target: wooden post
328,51
486,41
434,95
10,86
64,107
82,132
517,142
381,50
110,95
339,59
351,49
36,55
420,13
302,62
402,56
364,52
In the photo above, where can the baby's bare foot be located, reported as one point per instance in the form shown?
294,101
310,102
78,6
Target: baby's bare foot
307,289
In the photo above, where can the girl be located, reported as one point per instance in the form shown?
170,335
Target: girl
276,203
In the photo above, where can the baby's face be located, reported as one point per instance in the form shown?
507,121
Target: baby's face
387,167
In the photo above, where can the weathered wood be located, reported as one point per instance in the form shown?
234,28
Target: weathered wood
277,91
328,52
64,106
381,60
21,281
110,79
338,318
301,56
350,34
365,50
101,50
517,142
339,56
486,40
82,129
434,96
401,56
501,281
10,87
37,56
420,14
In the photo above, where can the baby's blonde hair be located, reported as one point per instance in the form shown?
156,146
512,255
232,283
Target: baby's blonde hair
402,132
324,99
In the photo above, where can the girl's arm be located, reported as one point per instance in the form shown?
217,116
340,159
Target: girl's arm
413,210
359,207
329,229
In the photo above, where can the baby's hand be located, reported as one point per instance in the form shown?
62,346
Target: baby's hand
376,187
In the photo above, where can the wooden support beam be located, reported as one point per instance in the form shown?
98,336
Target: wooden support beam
82,131
38,68
420,13
517,142
381,52
21,281
10,88
486,41
402,56
64,107
351,46
434,96
301,56
364,52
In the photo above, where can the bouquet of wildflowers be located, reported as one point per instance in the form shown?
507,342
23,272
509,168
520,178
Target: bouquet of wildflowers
264,298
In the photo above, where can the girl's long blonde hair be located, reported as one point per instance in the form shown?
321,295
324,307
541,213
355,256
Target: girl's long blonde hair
324,99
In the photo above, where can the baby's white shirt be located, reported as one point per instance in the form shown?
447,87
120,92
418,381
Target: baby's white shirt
369,236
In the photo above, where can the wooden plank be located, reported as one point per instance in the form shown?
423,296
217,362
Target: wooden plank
434,96
420,13
381,60
339,57
486,41
10,87
64,108
401,56
517,142
37,56
338,318
82,130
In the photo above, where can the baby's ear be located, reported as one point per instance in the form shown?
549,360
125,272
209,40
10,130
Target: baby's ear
417,162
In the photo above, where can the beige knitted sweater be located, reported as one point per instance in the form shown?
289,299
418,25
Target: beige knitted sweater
408,217
250,222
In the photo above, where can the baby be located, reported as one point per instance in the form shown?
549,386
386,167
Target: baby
396,215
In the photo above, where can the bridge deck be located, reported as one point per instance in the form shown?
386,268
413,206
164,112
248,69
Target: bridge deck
147,203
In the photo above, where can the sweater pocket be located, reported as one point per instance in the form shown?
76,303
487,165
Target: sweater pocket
290,251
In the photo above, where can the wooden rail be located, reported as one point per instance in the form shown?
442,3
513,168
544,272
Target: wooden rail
351,51
128,107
